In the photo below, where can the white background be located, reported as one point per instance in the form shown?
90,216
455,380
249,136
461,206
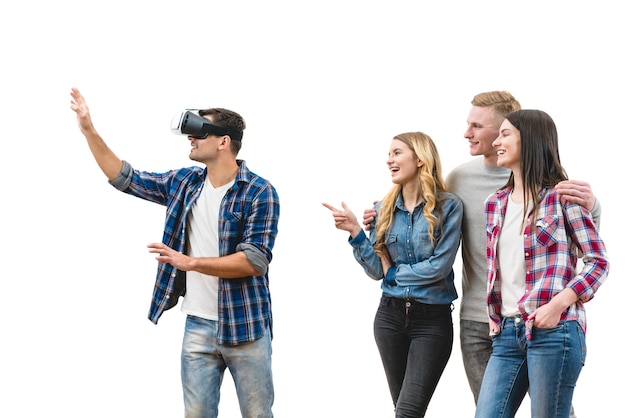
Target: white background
323,87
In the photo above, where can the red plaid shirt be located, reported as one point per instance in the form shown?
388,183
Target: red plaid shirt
550,256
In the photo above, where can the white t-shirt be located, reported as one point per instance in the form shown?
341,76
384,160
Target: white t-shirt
203,241
511,258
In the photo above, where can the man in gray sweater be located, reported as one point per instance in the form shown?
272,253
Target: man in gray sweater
473,181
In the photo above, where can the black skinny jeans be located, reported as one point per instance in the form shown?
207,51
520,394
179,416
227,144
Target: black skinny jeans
414,341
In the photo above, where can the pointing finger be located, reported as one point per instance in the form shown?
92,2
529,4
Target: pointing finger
332,208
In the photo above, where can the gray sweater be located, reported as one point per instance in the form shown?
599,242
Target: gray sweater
473,181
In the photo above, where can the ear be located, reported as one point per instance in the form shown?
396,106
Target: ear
224,142
420,162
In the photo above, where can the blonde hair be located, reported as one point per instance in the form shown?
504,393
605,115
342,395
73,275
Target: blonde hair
430,181
500,102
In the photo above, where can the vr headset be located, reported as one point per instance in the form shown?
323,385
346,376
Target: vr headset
190,123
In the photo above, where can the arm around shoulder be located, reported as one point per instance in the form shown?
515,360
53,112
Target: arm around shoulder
596,212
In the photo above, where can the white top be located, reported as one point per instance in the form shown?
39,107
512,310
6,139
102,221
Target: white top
203,241
511,258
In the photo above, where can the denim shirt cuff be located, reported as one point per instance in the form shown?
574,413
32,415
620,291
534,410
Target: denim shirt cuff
356,241
390,277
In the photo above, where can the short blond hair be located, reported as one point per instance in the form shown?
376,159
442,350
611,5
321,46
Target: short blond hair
500,102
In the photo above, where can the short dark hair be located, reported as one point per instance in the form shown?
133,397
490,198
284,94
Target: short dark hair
226,119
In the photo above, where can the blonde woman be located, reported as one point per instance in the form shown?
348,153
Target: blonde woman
411,249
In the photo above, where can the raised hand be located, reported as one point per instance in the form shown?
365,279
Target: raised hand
79,105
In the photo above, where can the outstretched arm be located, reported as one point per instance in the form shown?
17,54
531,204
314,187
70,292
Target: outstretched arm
372,262
108,162
232,266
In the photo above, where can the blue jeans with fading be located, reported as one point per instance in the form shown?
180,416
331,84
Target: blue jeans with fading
547,367
203,362
415,342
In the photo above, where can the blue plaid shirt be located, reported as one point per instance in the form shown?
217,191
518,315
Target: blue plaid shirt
550,256
248,217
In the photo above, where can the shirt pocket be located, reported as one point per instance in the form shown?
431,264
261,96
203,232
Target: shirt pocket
492,232
391,243
233,216
547,230
233,224
426,247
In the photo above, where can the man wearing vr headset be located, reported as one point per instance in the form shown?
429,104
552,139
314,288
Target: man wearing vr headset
220,227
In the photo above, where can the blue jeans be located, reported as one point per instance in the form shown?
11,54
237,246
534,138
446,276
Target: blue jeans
414,341
203,362
547,367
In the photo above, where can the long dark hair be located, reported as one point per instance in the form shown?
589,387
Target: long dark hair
540,164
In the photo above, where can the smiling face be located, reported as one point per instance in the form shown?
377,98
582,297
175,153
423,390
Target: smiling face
508,146
402,162
203,150
482,129
206,150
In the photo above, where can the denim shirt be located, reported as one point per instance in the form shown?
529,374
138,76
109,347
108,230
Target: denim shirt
421,270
